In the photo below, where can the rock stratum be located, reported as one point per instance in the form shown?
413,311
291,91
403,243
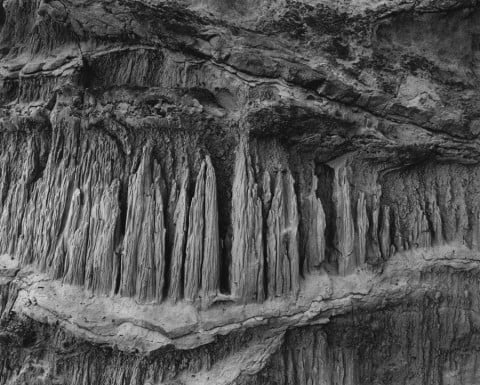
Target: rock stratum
239,192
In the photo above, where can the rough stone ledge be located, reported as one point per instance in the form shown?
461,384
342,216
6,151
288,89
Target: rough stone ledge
130,326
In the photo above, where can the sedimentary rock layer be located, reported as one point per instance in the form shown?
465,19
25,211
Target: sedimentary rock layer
242,192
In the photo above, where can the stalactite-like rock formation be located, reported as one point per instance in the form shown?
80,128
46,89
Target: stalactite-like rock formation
180,217
195,240
202,255
101,270
385,242
421,233
344,230
143,259
314,229
283,262
436,223
373,245
273,192
211,244
362,228
248,259
69,225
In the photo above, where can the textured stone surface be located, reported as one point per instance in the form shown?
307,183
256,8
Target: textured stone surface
239,192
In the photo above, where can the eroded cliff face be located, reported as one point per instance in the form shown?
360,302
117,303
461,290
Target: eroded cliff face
239,192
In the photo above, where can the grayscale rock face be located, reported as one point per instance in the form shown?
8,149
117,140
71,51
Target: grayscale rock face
239,192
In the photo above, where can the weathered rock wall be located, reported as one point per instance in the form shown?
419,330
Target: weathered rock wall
426,333
229,171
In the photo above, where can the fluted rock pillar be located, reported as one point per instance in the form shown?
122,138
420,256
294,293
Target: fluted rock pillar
247,270
421,235
202,259
282,238
344,227
143,260
362,229
100,271
314,244
437,226
385,239
180,222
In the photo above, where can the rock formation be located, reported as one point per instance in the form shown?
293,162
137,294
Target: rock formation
315,223
248,256
282,238
217,192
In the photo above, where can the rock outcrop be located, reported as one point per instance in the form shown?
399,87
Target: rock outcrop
211,192
248,244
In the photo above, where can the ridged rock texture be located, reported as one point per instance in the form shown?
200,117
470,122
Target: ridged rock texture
239,192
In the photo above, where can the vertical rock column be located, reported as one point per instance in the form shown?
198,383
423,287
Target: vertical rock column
143,260
4,178
211,244
315,224
86,246
15,195
202,257
436,220
344,230
100,270
43,225
247,269
362,229
374,254
72,246
196,232
282,238
180,223
70,227
420,235
384,237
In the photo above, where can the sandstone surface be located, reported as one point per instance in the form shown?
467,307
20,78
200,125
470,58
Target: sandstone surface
239,192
